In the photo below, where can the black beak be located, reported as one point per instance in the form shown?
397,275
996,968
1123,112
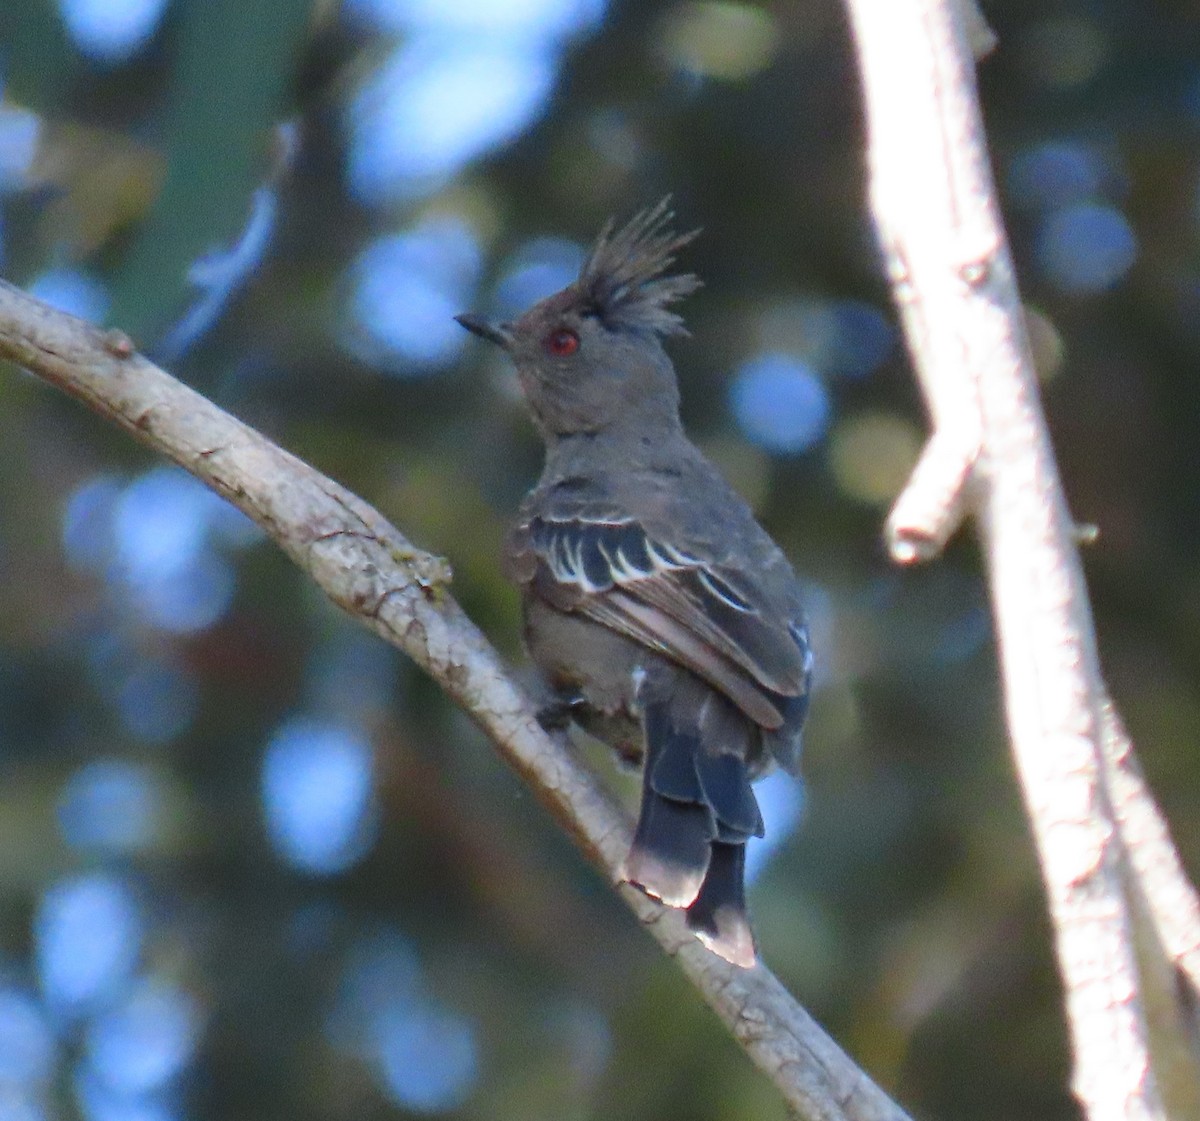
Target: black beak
498,333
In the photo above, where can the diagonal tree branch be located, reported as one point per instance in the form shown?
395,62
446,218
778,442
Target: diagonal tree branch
1171,900
366,566
1105,853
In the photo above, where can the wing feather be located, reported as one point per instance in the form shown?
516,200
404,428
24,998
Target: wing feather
696,612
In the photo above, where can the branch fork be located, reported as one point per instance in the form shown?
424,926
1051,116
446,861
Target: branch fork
933,503
1103,846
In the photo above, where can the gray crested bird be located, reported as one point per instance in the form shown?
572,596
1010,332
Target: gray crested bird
663,617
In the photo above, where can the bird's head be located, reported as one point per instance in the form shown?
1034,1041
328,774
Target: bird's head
589,357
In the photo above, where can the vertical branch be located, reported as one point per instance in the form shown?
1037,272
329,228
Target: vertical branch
935,205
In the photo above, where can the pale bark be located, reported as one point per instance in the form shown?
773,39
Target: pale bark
1100,838
366,566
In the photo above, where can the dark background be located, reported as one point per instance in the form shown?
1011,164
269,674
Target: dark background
251,863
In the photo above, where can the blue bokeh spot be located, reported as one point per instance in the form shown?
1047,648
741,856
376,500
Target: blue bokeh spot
427,1056
87,531
405,291
161,522
111,806
780,403
1056,173
381,968
17,1106
111,30
162,530
74,292
781,800
189,598
28,1051
20,133
513,19
318,795
439,102
159,540
537,270
98,1102
1086,248
88,933
146,1041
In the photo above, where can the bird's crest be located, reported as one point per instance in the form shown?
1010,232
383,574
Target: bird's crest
621,279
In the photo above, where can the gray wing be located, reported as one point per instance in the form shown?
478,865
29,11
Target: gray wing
698,612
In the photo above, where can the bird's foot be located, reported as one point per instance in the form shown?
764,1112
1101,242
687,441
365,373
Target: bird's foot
556,714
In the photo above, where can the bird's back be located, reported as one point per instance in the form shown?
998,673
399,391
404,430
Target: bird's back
685,507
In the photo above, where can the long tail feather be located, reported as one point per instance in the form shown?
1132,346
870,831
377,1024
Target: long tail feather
698,810
670,850
718,915
676,825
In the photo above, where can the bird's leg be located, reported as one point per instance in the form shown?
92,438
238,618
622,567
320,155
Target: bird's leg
562,706
558,709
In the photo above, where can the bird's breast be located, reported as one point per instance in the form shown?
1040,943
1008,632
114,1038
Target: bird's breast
575,653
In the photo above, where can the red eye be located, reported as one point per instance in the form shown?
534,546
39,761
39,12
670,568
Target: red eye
561,343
